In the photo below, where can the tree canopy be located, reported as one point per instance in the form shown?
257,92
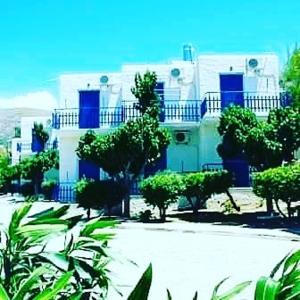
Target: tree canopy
144,90
291,76
128,149
264,144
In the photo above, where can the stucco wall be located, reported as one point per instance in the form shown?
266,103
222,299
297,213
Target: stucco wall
265,79
209,139
181,88
184,157
68,161
27,125
70,84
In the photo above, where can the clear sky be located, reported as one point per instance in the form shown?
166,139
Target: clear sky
42,38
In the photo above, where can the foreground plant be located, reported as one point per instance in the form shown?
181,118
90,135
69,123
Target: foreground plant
282,284
30,270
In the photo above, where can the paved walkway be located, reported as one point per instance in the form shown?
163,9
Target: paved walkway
188,256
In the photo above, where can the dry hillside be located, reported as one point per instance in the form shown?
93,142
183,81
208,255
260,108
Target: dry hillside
11,118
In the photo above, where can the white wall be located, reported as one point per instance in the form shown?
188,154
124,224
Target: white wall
27,125
265,79
209,139
184,157
70,84
181,88
68,161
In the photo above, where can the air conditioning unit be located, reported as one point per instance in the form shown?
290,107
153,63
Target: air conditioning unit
182,136
253,63
175,72
104,79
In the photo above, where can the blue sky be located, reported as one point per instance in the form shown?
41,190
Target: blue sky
42,38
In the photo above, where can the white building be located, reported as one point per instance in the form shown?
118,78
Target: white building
194,92
22,146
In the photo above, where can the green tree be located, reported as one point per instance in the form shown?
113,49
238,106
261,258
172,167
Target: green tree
39,131
144,90
161,190
200,186
291,76
124,153
264,144
103,194
4,163
281,183
34,167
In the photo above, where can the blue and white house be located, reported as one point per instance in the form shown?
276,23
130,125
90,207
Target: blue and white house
25,145
193,91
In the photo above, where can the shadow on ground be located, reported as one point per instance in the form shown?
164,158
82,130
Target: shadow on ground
248,220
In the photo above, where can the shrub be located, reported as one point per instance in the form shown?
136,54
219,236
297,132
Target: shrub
282,183
199,187
31,270
27,189
103,194
145,216
48,189
194,190
162,190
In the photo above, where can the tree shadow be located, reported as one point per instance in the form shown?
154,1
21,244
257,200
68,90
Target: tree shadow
246,220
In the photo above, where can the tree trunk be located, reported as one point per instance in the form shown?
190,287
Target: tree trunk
126,211
194,207
278,208
36,188
235,206
88,213
288,204
162,214
270,208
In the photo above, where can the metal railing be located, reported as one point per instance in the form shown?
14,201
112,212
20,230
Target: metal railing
171,111
27,147
64,192
258,102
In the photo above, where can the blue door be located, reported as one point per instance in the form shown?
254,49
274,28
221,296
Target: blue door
88,170
231,87
239,168
36,144
159,165
89,109
160,92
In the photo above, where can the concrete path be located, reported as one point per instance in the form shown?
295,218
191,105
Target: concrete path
187,256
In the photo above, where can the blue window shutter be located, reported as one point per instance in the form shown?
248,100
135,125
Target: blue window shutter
88,170
89,109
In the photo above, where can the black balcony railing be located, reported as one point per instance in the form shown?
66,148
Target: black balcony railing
27,147
171,111
215,102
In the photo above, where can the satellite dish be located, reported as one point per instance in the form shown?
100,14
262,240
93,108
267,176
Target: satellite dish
175,72
104,79
253,63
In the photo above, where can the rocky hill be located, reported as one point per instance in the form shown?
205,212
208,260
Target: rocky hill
11,118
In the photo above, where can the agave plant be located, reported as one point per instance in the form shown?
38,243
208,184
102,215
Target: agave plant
76,271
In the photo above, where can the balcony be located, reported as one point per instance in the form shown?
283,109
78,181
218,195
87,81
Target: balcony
258,102
106,117
26,147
